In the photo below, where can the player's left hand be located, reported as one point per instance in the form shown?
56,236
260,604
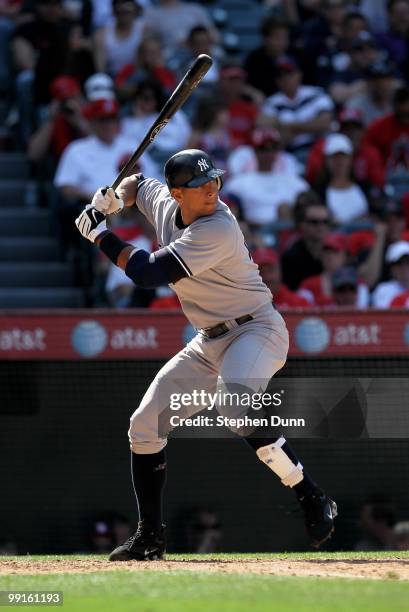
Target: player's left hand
91,223
107,201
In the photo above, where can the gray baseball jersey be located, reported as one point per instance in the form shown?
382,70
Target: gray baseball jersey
222,281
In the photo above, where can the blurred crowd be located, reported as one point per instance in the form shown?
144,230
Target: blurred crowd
311,126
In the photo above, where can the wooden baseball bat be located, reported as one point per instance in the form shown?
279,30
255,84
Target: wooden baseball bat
191,80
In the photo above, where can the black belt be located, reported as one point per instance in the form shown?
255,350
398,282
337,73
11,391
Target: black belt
222,328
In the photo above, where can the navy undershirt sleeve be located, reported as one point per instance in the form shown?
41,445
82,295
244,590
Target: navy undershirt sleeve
155,269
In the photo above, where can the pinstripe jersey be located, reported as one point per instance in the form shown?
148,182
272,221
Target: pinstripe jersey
222,281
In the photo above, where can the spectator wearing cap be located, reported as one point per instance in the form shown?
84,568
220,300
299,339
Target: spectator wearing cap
172,20
390,134
90,162
395,39
367,164
146,104
318,290
244,159
242,102
347,291
376,99
265,196
99,86
397,257
260,64
368,247
301,113
350,80
66,121
269,267
341,192
148,64
115,44
93,161
303,257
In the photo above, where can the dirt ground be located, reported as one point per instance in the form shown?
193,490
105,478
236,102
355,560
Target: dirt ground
376,568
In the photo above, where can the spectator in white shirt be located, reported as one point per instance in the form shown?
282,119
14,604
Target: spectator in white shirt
302,113
88,163
115,44
244,158
172,21
397,257
343,196
148,101
266,195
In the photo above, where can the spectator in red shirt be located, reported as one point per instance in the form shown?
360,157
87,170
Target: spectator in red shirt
317,290
346,289
65,124
240,99
148,65
269,266
390,134
367,162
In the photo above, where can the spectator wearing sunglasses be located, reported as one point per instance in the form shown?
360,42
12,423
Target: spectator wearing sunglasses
304,257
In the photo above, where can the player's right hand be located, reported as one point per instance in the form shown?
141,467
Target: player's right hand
107,201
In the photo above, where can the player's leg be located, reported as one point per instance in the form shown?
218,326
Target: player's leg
256,354
149,427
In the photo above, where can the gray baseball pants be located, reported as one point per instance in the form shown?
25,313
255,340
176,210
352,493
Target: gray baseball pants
251,353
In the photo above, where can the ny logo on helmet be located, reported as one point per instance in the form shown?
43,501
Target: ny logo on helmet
203,164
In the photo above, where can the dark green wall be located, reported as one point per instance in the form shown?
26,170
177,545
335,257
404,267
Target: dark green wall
64,455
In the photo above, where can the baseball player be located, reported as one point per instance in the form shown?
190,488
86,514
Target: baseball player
204,258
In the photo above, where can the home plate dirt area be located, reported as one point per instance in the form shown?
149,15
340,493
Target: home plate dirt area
349,565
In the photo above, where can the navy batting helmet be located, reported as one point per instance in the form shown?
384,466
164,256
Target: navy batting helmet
190,168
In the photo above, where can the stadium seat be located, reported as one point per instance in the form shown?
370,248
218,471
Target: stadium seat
13,192
28,249
36,274
41,298
24,222
13,166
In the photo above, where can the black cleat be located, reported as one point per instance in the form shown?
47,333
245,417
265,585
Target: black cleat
146,544
319,511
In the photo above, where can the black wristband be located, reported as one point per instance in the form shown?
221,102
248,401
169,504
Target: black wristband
112,246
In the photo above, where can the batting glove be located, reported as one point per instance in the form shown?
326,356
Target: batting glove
91,223
107,201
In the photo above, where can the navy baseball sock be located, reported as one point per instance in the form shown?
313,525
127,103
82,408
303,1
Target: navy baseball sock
149,477
307,486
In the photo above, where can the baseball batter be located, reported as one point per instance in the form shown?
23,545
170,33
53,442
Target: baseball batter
240,334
